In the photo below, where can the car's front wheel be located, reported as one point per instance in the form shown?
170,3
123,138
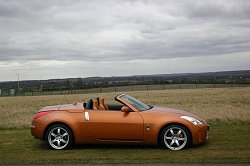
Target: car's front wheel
175,137
59,137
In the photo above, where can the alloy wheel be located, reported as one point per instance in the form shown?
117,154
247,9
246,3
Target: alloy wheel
58,138
175,138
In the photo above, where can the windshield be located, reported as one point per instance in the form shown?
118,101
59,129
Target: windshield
136,103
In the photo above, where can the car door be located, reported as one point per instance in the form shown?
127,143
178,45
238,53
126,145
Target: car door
114,125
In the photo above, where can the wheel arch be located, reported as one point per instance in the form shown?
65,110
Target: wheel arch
173,123
54,123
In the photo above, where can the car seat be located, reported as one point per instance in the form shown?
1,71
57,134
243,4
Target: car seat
102,106
95,105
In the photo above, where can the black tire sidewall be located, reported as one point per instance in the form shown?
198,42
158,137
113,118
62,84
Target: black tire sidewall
71,138
188,134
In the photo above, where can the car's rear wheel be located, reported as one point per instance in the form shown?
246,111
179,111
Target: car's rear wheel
59,137
175,137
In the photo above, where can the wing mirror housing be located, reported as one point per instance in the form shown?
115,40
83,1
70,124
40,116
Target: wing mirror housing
125,109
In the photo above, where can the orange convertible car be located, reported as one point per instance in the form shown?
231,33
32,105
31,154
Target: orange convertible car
129,122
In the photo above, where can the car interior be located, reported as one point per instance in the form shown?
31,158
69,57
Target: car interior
98,104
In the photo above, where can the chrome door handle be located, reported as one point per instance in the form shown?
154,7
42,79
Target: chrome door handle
86,114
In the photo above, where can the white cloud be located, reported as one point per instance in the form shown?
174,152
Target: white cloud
64,35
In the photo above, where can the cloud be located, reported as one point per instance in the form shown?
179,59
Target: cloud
115,31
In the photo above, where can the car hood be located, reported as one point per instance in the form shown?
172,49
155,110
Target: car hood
75,106
164,110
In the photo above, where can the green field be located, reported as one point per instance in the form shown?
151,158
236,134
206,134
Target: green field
226,109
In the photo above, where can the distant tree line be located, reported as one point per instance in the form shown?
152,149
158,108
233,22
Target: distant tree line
70,84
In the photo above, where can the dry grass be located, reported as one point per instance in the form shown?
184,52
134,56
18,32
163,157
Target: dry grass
226,104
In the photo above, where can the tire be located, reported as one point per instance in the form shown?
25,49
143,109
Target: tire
175,137
59,137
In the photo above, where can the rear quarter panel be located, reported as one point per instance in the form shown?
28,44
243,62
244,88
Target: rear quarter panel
74,119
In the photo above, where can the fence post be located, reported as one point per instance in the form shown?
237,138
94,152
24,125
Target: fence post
100,87
163,83
214,81
179,83
50,90
41,89
86,89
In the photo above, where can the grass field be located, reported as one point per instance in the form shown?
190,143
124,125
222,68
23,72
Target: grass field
226,104
226,109
18,147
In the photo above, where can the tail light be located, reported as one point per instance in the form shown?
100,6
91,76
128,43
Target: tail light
40,114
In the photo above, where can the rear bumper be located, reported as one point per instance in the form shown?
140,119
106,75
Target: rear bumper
37,130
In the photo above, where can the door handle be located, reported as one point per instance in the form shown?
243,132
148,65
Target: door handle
86,114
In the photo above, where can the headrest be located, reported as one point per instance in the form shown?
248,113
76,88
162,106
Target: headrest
89,104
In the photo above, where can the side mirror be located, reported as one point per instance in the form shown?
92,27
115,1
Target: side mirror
125,109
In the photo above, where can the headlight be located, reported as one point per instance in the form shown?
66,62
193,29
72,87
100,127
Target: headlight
193,120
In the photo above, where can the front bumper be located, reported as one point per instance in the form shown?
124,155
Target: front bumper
200,134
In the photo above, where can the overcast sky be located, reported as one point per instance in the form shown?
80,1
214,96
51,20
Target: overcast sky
42,39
